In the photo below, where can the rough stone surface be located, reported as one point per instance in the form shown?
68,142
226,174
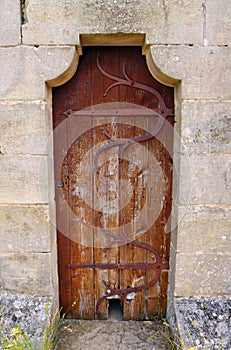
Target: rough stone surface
202,173
201,70
205,127
204,323
24,228
25,179
218,24
30,312
24,70
23,128
160,20
118,335
10,23
202,274
27,272
204,229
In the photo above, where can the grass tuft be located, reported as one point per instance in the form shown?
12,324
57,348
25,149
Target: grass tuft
19,340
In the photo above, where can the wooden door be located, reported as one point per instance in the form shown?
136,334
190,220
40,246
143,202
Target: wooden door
113,132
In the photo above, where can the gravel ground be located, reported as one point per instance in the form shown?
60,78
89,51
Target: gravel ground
116,335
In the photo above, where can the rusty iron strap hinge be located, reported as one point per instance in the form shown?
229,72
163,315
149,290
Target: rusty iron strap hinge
121,266
158,266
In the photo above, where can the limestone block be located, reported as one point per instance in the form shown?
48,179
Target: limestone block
205,127
10,23
23,128
168,22
204,71
26,272
218,24
202,274
24,70
172,264
24,228
54,270
24,179
208,177
204,229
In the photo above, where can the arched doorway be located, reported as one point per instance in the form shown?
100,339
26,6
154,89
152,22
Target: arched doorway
113,175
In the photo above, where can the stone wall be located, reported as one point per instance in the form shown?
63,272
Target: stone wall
187,44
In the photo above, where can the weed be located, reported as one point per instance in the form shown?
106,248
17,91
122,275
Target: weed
154,337
174,340
19,340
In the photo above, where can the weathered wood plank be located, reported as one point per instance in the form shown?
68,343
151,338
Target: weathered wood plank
108,195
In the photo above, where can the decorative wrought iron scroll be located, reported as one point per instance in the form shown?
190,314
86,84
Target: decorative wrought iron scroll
121,142
161,109
157,266
162,112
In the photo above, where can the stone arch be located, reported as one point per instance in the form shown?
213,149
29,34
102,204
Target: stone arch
59,76
67,74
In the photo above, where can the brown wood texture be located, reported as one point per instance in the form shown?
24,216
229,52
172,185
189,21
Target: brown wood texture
93,196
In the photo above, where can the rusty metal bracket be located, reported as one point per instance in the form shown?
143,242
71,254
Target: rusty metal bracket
118,142
162,113
157,266
162,108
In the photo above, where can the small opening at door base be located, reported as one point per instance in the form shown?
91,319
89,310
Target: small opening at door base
115,310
